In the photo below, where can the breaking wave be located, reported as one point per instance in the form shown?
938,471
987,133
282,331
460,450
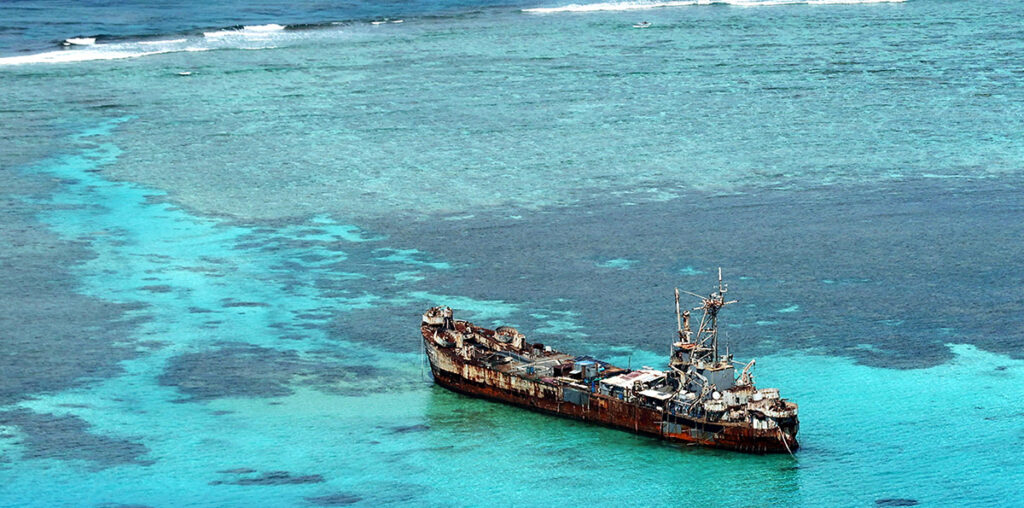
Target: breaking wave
104,52
259,32
80,41
110,47
636,6
82,49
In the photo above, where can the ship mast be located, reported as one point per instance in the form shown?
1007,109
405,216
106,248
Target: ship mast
679,318
683,322
707,334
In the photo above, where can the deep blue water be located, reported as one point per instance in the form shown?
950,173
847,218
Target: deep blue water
223,220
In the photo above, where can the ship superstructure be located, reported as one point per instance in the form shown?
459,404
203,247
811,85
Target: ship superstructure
699,399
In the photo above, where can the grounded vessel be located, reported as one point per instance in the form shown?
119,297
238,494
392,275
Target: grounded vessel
700,399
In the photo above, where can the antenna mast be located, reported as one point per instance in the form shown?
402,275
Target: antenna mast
679,318
707,336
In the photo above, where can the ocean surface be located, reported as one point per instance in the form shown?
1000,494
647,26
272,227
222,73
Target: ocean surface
221,222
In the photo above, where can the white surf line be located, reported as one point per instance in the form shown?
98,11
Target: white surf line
82,50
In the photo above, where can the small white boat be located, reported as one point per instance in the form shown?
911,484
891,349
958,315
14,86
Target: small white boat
642,24
185,73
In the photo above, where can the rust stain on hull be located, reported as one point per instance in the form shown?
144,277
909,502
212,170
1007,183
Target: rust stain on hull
615,414
701,399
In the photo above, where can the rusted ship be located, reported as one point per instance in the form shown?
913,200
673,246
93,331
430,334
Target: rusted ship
700,399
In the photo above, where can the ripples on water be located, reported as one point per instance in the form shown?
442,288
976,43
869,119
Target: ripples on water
224,222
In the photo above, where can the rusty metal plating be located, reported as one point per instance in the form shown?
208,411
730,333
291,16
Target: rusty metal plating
699,399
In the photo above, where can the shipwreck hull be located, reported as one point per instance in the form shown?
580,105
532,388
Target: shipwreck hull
478,381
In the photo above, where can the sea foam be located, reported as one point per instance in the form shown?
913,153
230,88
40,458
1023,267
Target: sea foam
106,52
79,41
249,37
249,32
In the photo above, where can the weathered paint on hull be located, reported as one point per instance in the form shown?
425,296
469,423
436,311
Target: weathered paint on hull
478,381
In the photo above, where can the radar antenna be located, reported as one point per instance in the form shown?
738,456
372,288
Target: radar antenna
707,334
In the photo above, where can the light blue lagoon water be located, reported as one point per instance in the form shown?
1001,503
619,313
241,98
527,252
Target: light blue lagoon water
222,223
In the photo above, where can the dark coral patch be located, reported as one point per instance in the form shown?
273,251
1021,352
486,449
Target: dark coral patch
896,501
49,436
53,336
237,470
273,478
402,429
235,370
245,370
338,499
227,302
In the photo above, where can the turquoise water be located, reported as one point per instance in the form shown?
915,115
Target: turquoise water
213,281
